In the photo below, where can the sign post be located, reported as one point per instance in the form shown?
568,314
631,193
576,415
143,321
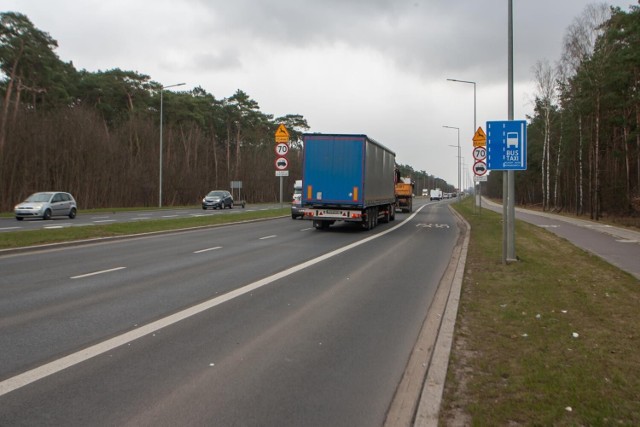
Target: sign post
507,151
282,149
479,155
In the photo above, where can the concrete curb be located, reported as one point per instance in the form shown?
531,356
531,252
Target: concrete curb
431,398
418,396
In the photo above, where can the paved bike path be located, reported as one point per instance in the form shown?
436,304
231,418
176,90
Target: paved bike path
616,245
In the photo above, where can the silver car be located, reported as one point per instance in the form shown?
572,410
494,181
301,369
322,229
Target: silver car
46,205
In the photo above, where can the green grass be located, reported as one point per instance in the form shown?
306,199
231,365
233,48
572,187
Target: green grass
515,360
17,239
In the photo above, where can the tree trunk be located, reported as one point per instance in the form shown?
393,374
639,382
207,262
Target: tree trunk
580,203
7,98
557,174
596,187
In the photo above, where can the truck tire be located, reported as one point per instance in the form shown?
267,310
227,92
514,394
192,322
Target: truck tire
387,214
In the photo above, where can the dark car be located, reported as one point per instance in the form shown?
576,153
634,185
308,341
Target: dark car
46,205
217,199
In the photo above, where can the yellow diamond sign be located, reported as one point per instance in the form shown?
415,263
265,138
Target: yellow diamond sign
282,134
480,138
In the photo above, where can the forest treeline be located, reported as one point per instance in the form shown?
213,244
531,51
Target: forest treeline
584,139
97,134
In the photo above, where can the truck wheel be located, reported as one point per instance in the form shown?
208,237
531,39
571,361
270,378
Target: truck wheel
387,214
321,225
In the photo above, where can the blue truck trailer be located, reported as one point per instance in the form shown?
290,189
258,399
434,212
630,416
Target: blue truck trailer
347,178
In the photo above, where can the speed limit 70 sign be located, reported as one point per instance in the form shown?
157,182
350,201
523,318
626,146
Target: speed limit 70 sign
282,148
479,153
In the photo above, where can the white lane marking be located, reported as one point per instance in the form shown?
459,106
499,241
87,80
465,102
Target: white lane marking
97,272
105,220
627,241
169,216
145,214
268,237
207,250
99,217
307,229
53,227
548,226
9,228
35,374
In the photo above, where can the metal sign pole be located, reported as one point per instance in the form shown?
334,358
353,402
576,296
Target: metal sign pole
511,229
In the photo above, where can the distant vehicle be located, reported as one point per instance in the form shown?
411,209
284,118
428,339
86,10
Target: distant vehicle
404,193
512,139
435,194
46,205
217,199
425,192
296,203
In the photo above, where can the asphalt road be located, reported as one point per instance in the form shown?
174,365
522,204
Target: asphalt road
87,219
618,246
269,323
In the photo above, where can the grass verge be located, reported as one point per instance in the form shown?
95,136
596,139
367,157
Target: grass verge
17,239
549,340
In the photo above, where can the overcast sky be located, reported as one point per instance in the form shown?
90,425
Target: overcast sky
375,67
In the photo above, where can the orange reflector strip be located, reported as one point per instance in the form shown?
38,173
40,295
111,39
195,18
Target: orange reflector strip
355,194
309,191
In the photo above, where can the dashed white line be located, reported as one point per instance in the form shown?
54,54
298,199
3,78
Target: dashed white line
207,250
105,220
268,237
307,229
169,216
97,272
50,368
10,228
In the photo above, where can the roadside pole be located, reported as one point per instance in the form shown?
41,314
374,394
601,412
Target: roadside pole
282,149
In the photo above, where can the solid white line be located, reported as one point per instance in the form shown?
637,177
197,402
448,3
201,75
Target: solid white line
97,272
268,237
207,250
9,228
72,359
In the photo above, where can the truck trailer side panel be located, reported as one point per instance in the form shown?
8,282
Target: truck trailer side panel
347,178
346,170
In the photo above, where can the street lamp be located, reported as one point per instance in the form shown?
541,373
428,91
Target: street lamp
457,129
162,88
474,99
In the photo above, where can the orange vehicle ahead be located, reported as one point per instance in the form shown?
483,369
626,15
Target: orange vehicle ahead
404,193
